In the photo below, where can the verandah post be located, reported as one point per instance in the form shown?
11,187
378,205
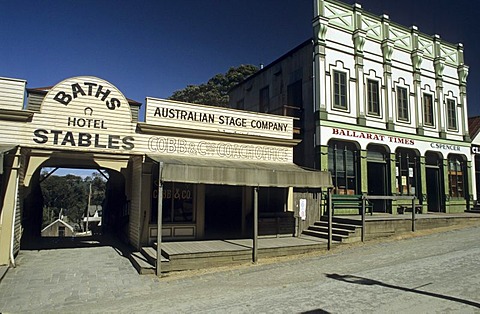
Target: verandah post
255,225
159,220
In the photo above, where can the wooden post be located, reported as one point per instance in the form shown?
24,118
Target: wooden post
330,212
363,216
255,225
159,220
413,214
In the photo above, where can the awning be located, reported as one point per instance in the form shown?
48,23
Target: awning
244,173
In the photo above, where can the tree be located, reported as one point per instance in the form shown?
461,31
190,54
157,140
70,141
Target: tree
215,91
68,195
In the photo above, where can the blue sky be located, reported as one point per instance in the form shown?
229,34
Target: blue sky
152,48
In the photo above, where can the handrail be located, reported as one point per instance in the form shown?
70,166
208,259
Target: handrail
386,197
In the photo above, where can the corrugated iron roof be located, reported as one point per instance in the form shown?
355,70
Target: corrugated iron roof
473,126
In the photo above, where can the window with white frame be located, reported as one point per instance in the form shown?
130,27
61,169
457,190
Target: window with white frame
373,97
340,90
451,114
402,103
428,109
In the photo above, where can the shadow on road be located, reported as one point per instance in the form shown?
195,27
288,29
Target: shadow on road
371,282
55,243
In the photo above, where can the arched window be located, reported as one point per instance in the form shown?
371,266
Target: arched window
456,176
407,172
343,164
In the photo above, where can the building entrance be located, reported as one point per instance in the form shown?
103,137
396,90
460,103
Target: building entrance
70,205
434,180
377,184
378,178
223,211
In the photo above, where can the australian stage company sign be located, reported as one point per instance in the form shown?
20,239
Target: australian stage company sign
84,112
176,114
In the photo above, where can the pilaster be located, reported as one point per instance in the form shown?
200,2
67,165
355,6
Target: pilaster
387,51
423,178
320,27
462,71
439,66
417,57
364,171
393,180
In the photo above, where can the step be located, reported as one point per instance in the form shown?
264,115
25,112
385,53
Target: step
141,264
339,231
324,235
343,220
150,254
337,225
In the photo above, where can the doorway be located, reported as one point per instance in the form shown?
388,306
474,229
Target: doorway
223,211
74,204
434,181
378,178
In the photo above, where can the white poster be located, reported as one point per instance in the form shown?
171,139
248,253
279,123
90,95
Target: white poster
303,209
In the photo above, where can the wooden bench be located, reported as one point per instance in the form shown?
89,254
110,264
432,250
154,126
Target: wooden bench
350,203
402,209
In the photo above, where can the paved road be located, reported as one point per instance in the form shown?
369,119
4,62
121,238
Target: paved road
427,274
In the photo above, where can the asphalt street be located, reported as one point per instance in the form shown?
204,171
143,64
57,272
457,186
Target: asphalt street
431,273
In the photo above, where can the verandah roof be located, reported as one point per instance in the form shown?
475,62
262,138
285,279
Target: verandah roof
243,173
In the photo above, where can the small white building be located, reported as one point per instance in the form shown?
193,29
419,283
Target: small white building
58,228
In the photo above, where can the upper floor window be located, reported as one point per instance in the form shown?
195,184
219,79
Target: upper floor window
264,99
428,109
373,99
451,114
340,90
402,103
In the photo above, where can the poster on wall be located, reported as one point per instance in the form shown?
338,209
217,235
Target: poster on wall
303,209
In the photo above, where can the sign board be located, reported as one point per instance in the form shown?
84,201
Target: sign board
303,209
89,114
217,119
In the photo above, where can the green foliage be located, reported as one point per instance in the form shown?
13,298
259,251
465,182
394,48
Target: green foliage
215,91
68,196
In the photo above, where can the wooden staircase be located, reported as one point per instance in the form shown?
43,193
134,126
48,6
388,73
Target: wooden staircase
145,260
344,230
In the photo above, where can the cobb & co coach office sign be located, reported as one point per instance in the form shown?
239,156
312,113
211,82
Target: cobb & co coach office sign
215,119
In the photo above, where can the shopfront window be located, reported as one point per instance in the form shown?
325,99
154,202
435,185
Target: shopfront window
456,176
177,205
407,172
343,164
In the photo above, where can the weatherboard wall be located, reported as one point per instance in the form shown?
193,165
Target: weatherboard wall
12,93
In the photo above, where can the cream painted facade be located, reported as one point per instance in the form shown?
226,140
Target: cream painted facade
195,155
381,106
